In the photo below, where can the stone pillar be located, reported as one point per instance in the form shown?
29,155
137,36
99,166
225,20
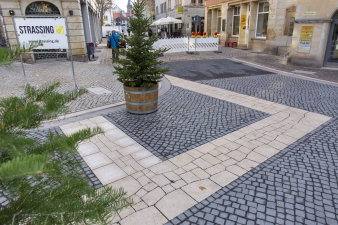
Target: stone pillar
213,21
75,26
253,21
209,21
6,6
224,10
241,36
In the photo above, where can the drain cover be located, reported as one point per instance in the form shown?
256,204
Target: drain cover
99,91
304,72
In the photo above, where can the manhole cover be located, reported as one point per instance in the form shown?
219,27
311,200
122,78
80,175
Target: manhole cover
99,91
304,72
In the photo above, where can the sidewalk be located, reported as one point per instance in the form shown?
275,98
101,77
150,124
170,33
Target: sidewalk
257,149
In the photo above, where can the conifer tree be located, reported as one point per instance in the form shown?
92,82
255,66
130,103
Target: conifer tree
139,67
42,181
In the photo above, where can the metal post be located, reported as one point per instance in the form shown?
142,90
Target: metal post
71,55
195,36
18,43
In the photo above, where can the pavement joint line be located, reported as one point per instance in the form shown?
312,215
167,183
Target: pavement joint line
281,117
281,72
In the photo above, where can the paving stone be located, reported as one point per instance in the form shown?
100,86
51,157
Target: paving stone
186,124
153,196
174,203
148,216
199,190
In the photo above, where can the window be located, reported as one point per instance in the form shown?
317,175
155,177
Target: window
165,7
262,19
156,10
219,20
200,2
169,4
193,2
236,20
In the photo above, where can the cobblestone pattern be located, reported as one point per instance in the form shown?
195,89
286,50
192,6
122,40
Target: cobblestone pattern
211,69
299,185
43,134
184,120
87,75
300,93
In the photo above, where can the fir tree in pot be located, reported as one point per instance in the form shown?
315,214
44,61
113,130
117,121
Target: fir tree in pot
138,70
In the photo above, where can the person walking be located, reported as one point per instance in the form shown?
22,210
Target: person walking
114,42
150,33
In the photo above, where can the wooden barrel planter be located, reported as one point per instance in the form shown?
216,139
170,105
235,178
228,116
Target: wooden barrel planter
141,100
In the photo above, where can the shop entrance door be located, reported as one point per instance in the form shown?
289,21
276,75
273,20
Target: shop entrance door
332,46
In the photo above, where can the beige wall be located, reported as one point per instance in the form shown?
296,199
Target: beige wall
75,23
318,15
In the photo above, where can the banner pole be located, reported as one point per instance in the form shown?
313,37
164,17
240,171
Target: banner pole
21,60
71,55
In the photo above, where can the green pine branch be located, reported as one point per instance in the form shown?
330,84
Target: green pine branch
139,67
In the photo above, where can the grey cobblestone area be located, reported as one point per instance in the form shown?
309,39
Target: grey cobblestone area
300,93
299,185
43,134
184,120
211,69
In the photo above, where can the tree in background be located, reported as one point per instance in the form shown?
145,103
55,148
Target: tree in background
43,182
103,6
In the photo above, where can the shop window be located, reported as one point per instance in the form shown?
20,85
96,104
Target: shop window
219,21
236,20
262,19
289,20
41,7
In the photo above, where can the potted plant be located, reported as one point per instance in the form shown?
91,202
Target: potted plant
138,70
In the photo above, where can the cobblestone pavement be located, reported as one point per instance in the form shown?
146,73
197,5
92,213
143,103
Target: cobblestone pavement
211,69
299,185
162,190
185,120
92,74
300,93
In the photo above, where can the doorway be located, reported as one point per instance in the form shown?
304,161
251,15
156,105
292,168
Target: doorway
332,46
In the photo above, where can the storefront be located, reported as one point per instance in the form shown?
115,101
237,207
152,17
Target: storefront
83,26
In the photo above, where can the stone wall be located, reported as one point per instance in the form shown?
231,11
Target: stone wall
317,14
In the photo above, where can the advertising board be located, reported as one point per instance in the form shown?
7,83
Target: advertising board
49,33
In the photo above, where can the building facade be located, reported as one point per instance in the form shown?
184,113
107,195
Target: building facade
183,10
83,21
304,31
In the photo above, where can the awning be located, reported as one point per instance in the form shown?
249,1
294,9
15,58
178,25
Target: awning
164,21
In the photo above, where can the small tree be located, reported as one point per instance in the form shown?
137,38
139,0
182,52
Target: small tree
42,181
140,68
103,6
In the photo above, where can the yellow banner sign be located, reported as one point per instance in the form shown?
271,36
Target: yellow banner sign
305,39
180,10
243,22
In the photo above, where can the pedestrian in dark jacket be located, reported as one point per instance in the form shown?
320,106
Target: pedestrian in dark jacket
114,42
150,33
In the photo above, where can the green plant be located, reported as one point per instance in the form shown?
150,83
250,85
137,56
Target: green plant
7,55
43,181
140,68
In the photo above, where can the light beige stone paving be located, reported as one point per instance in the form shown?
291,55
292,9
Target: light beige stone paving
161,190
175,203
201,189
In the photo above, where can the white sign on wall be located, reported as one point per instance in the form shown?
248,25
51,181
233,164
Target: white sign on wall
50,32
